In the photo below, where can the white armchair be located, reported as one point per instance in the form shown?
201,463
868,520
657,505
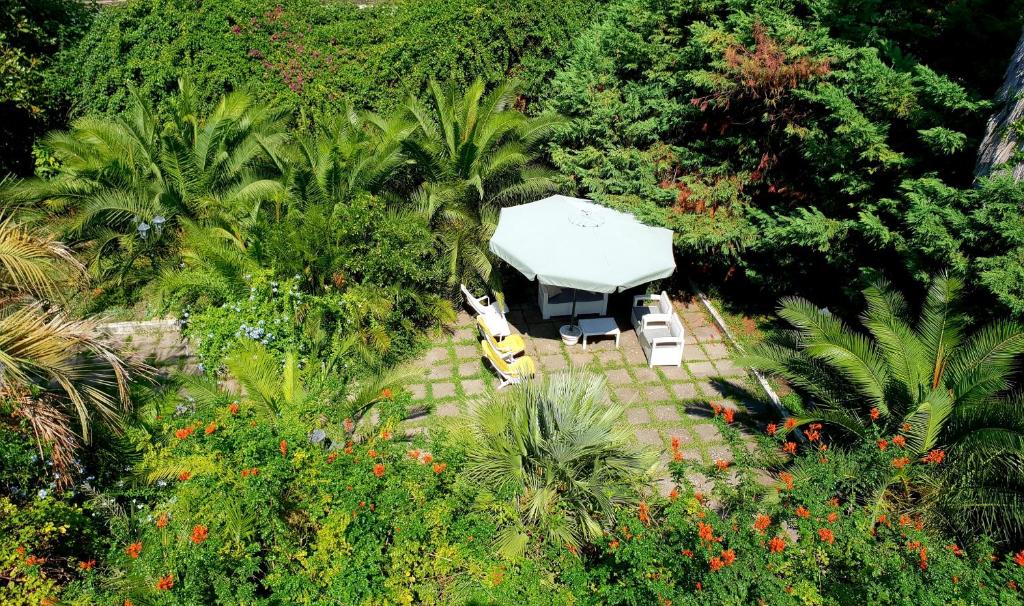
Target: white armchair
556,301
492,313
659,329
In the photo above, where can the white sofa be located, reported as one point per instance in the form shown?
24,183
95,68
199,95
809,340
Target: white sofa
659,329
555,301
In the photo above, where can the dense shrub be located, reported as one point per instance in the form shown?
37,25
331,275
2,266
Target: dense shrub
314,54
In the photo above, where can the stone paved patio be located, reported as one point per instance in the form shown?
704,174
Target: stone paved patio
661,402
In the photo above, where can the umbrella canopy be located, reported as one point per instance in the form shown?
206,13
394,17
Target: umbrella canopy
574,243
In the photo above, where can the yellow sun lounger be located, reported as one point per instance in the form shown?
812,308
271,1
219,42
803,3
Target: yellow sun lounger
509,371
509,347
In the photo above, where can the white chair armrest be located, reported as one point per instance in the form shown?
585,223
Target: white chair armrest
649,319
667,342
638,299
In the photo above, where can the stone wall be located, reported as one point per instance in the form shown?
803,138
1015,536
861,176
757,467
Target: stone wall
159,342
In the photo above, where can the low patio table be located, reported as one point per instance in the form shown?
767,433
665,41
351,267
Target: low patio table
599,327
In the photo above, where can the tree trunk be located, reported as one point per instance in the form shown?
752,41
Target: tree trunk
1000,140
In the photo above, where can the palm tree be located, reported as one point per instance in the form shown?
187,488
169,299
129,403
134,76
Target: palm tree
116,174
52,367
931,379
475,153
563,452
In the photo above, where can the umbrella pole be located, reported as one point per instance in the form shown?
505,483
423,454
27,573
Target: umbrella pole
572,318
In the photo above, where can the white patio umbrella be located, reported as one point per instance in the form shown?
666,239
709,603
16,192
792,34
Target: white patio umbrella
575,243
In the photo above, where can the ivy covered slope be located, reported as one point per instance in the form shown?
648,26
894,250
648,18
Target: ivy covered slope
314,54
792,142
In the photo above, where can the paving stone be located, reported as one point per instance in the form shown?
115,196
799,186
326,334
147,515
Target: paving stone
716,351
618,376
702,369
666,413
464,318
727,368
418,391
689,340
695,319
700,482
675,373
412,432
626,395
638,416
656,393
692,455
685,391
665,487
416,411
694,354
707,432
547,346
635,356
469,369
681,433
578,357
439,371
464,334
710,389
467,352
553,362
473,387
650,437
443,390
451,409
610,358
707,333
435,355
720,453
646,375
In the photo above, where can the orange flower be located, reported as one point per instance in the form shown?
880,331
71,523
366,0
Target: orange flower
212,427
899,441
1011,583
883,444
385,435
284,448
675,442
687,552
905,427
883,519
386,393
707,533
762,523
728,414
348,448
349,425
924,558
134,550
644,513
161,521
414,454
776,545
34,560
833,502
674,494
614,544
184,476
772,429
716,564
905,520
826,536
378,470
803,512
722,465
787,479
233,408
875,413
165,583
199,533
900,463
716,408
790,448
439,467
427,458
331,457
728,556
1019,558
128,602
677,455
812,435
184,433
934,457
832,517
790,423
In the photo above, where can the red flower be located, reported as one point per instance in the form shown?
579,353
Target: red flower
439,467
776,545
934,457
803,512
165,583
378,470
790,448
331,457
772,429
284,448
385,435
716,564
184,433
728,556
161,521
722,465
675,442
687,552
728,414
134,550
762,523
386,393
883,444
184,476
924,558
613,544
427,458
812,435
233,408
674,494
826,535
1019,558
199,533
832,517
875,413
899,441
790,423
677,455
34,560
644,513
787,479
905,427
707,533
349,425
212,427
414,454
900,463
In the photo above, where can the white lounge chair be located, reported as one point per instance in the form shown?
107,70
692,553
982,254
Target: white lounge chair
492,313
659,329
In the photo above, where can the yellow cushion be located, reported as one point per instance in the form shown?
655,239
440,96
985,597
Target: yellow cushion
511,344
523,366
